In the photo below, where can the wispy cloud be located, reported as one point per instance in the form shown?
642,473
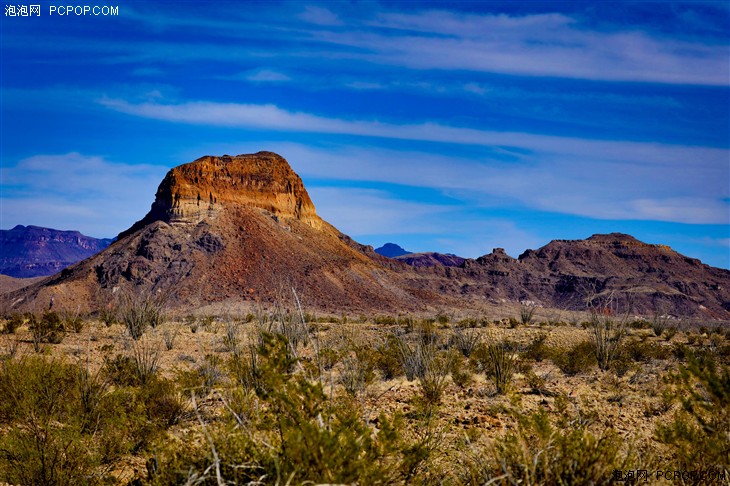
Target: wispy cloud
319,15
595,187
608,179
267,75
76,191
270,116
534,45
378,216
357,211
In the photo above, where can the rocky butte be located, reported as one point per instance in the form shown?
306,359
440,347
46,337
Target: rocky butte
234,232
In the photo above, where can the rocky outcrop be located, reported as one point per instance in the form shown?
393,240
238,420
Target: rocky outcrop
191,193
231,229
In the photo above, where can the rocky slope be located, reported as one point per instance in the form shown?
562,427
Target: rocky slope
431,259
32,251
243,230
643,277
230,229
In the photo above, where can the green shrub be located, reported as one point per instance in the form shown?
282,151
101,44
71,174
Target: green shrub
538,349
61,424
606,333
699,430
670,332
121,370
465,340
48,329
388,357
644,351
577,359
358,369
460,373
299,435
209,373
13,323
433,381
538,453
385,320
498,360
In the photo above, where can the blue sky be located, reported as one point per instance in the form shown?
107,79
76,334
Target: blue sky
442,126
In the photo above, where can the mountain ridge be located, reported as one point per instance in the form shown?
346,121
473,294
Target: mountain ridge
35,251
242,230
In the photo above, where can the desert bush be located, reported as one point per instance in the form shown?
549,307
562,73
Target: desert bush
232,336
140,310
539,453
146,359
465,340
606,331
10,347
169,336
699,430
244,368
669,333
460,373
13,323
328,358
538,349
660,322
73,321
693,338
300,435
527,311
207,375
121,370
433,381
577,359
498,360
165,406
108,315
48,329
388,357
357,371
386,321
644,351
59,422
415,355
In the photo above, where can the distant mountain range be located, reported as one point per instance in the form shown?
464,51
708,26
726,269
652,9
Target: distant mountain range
32,251
242,230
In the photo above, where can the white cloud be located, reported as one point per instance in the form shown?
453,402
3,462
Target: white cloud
598,178
76,191
319,16
370,215
270,116
357,211
660,189
532,45
267,75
